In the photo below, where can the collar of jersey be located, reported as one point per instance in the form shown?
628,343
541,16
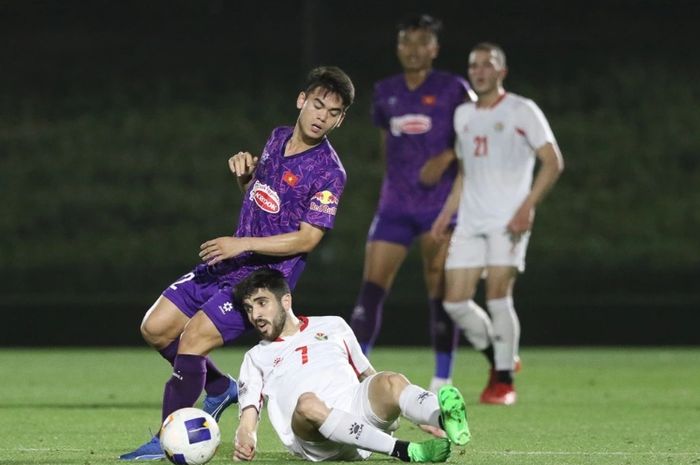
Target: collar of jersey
304,323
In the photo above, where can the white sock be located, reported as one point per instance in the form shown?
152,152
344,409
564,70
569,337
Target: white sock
473,320
506,332
419,406
436,383
346,428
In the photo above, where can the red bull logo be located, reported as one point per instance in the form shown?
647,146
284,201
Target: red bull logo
265,198
326,198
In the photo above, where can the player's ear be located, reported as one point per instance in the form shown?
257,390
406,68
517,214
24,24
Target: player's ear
340,121
286,301
301,98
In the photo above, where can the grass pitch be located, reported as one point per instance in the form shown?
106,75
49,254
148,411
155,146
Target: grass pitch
575,406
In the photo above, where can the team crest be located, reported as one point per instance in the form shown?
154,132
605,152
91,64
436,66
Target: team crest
321,337
265,198
498,126
277,361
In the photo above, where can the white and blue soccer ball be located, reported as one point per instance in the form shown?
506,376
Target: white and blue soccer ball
189,436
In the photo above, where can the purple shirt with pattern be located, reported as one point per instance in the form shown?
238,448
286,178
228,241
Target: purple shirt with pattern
285,191
418,125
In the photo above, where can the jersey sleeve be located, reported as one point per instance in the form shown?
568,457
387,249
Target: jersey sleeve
457,122
356,358
534,124
250,385
325,197
379,117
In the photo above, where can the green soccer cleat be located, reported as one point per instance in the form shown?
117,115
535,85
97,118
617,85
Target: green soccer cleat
454,415
432,450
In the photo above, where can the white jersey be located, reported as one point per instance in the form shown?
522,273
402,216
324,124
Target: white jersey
496,146
324,357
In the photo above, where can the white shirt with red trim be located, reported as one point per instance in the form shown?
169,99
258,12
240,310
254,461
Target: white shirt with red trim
496,146
324,357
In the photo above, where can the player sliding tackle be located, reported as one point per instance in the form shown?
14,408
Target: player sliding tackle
324,399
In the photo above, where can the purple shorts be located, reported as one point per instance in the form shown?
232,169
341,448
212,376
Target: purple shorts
203,290
400,227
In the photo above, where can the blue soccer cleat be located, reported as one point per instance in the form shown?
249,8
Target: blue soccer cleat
215,405
149,451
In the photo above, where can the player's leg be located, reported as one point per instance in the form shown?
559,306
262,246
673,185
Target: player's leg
314,420
444,333
391,394
382,261
505,258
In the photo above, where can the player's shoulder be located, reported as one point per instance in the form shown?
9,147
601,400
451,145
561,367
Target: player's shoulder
327,321
465,108
389,83
328,160
281,132
519,102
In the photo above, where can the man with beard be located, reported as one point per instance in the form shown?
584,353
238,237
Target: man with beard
324,398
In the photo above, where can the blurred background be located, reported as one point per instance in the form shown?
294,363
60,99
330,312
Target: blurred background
117,118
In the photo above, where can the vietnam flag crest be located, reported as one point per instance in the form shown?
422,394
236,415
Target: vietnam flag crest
290,178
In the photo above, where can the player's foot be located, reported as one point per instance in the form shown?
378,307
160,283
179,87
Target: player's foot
432,450
215,405
436,383
453,413
499,393
149,451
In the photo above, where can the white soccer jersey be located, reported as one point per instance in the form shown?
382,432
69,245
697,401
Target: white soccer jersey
496,146
324,357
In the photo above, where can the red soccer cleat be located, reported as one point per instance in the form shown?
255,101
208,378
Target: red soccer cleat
498,394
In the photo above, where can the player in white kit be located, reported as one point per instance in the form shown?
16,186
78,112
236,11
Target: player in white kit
324,399
499,138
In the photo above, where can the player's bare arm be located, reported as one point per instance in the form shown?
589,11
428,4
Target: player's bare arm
242,165
435,167
302,241
439,230
246,437
552,165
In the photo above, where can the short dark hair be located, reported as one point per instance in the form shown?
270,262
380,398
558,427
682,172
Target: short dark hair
264,278
424,21
332,79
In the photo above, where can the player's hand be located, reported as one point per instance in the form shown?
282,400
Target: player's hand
441,227
433,169
243,164
244,445
521,221
434,430
221,248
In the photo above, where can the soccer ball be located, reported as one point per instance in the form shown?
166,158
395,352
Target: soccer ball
189,436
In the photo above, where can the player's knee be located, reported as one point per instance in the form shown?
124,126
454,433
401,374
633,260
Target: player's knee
308,406
392,382
152,333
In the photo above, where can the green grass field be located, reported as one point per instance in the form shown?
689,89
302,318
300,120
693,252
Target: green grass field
576,406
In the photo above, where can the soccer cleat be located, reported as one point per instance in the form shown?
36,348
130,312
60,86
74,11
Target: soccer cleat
432,450
149,451
453,413
215,405
499,394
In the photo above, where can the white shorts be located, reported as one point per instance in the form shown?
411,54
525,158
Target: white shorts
483,250
354,400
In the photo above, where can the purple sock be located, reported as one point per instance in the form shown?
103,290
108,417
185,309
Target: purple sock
367,315
444,336
216,382
186,384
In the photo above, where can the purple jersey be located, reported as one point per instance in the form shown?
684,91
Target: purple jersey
285,191
418,125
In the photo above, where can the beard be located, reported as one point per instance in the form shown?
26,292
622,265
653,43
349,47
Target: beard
274,327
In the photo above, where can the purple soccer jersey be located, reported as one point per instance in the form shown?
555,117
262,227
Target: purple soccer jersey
285,191
419,126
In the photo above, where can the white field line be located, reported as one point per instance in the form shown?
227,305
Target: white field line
42,449
557,452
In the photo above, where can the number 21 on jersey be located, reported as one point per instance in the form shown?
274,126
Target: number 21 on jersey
481,146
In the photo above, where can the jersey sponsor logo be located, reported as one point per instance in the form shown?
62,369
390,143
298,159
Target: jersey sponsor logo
324,202
428,100
290,178
321,337
410,124
264,156
242,388
356,430
265,198
277,361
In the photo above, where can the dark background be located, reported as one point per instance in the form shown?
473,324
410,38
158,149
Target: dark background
117,118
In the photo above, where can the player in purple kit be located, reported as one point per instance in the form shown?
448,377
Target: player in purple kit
413,111
291,195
